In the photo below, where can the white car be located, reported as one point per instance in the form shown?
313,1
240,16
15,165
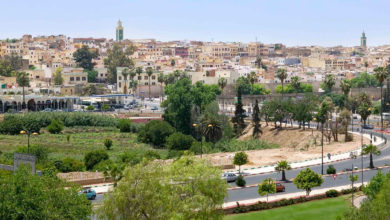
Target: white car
230,177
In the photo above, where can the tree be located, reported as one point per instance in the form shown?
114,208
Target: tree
283,166
364,110
222,82
252,77
155,132
161,80
117,56
296,83
211,127
23,80
157,190
307,179
238,118
281,74
179,141
240,158
256,120
243,84
83,57
6,68
55,126
375,185
27,196
370,150
345,118
149,72
125,74
57,76
345,86
173,62
381,75
303,109
268,186
353,179
92,76
93,158
259,63
107,143
138,71
322,117
328,82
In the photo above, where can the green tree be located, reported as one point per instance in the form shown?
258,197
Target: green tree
281,74
371,150
222,82
381,75
238,118
161,80
23,80
155,132
375,185
55,126
107,143
256,120
345,118
364,110
83,57
282,167
139,71
173,62
268,186
154,190
307,179
328,82
93,158
259,89
149,72
303,109
296,83
243,84
345,86
125,74
179,141
252,77
92,76
57,76
27,196
117,57
259,63
240,158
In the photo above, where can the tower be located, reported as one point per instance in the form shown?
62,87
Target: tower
119,31
363,41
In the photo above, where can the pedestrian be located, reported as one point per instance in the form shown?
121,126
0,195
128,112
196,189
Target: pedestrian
329,156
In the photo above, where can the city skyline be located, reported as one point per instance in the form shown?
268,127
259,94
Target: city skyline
293,23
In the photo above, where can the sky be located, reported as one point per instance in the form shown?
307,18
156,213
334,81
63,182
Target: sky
291,22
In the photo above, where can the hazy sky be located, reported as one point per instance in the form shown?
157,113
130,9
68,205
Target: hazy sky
292,22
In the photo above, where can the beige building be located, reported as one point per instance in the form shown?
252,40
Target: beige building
313,62
123,84
74,76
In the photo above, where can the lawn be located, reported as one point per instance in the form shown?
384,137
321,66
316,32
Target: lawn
326,209
82,140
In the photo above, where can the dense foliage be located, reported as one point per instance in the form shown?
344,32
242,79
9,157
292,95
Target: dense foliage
155,132
179,141
55,126
94,157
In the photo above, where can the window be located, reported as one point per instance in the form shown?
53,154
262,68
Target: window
84,78
146,83
145,77
120,77
77,78
153,77
71,78
153,83
120,84
139,77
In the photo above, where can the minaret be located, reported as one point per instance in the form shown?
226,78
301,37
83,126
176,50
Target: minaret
119,31
363,41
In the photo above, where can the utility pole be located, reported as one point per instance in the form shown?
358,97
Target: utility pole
361,140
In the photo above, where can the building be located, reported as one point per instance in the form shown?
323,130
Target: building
363,40
119,31
74,76
123,83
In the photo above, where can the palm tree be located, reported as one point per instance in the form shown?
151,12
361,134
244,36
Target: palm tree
329,82
177,74
134,85
161,80
371,149
281,74
366,65
211,128
222,82
345,86
125,73
381,75
149,72
139,70
296,83
23,80
283,166
252,77
345,117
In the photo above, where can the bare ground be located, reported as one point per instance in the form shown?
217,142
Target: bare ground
295,145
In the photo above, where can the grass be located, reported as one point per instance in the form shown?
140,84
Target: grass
82,140
325,209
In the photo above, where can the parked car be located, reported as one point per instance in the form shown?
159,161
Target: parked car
89,193
367,127
229,177
47,110
154,108
280,187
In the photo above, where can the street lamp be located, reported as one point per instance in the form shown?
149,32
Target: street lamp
195,125
28,138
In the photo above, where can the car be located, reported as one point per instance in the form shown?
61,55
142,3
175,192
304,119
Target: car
355,116
47,110
154,108
367,127
229,177
89,193
280,187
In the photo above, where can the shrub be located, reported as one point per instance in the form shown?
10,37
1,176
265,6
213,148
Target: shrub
108,143
69,165
175,154
155,132
332,193
179,141
55,127
11,125
68,138
124,125
90,108
151,154
94,157
130,157
331,170
41,153
103,166
349,190
240,181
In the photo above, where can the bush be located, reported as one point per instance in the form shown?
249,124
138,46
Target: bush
332,193
55,127
68,165
90,108
349,190
11,125
331,170
155,132
151,154
124,125
94,157
240,181
130,157
179,141
41,153
108,143
174,154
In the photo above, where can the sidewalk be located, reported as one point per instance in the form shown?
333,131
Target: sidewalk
310,162
286,196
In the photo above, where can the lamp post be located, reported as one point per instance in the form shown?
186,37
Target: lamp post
195,125
28,138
